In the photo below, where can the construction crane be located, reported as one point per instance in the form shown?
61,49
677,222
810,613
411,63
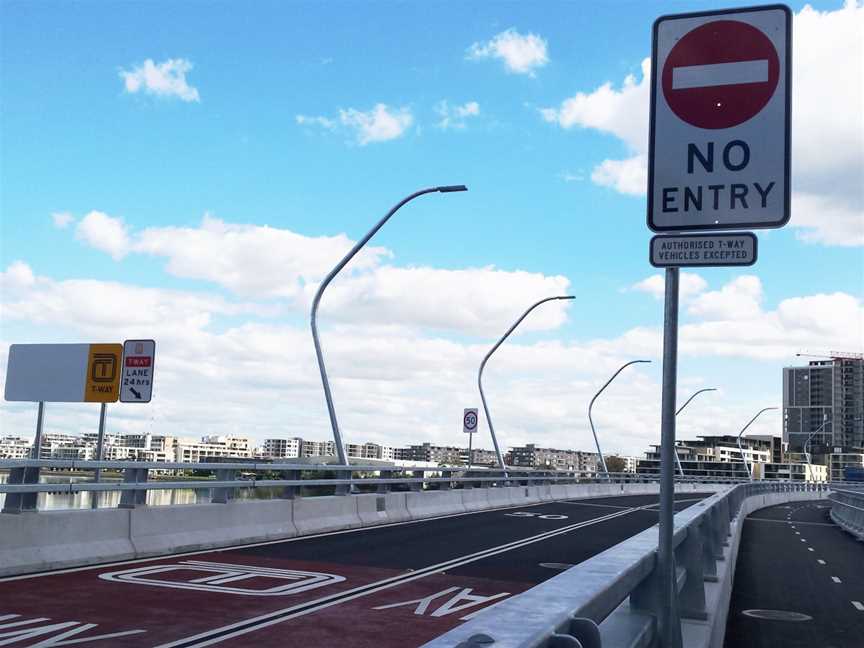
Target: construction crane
833,355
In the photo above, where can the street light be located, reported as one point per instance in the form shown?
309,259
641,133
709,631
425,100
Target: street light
337,437
807,442
591,404
681,409
486,359
740,449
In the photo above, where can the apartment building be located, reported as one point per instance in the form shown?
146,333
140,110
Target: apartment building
530,456
13,447
825,400
282,448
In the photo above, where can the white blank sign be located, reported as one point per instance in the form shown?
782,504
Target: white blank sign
55,373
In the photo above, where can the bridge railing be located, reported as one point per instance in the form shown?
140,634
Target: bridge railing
613,598
847,509
284,480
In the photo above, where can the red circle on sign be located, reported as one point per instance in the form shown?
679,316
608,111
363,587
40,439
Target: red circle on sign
727,72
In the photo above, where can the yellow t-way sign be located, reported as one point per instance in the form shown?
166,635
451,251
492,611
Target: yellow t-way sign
103,373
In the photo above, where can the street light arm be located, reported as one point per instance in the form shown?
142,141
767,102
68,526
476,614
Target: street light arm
591,405
334,424
681,409
740,449
486,359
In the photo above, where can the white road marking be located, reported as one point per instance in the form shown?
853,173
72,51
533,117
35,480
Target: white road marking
311,536
836,580
719,74
809,548
858,605
820,561
279,616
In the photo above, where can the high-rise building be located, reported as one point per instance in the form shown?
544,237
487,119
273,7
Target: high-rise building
825,399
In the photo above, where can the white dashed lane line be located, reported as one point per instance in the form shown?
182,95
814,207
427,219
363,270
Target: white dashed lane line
836,580
858,605
820,561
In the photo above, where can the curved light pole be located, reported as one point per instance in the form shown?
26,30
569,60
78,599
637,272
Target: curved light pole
591,404
807,442
740,449
680,409
486,359
337,437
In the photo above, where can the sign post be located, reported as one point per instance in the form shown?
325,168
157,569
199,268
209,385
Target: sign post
469,427
718,159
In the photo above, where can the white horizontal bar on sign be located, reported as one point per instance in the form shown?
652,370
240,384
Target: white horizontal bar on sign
719,74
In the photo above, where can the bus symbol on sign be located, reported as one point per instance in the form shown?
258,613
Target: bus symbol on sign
104,367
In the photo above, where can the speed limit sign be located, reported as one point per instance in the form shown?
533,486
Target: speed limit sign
469,420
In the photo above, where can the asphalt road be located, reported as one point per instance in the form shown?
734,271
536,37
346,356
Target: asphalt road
398,585
794,559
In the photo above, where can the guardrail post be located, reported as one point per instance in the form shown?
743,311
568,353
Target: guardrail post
446,485
385,488
690,554
467,484
710,553
343,489
137,497
416,486
222,495
290,492
21,502
646,595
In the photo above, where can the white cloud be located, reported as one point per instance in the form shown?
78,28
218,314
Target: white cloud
738,300
455,116
689,285
263,262
622,113
827,219
166,79
62,220
522,54
390,384
379,124
628,176
323,122
827,127
105,233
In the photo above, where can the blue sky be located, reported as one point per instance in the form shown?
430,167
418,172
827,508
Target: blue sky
258,139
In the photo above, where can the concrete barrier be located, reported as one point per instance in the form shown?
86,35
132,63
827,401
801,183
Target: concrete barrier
498,497
329,513
31,542
155,530
54,539
475,499
431,503
558,491
382,508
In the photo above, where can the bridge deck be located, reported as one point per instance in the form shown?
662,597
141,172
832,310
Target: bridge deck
793,558
395,585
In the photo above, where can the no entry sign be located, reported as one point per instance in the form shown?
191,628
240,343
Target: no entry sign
719,140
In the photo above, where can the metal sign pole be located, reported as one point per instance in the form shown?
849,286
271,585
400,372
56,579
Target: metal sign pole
470,444
669,621
37,442
100,442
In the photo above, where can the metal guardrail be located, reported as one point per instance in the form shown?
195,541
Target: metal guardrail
847,509
558,614
24,485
